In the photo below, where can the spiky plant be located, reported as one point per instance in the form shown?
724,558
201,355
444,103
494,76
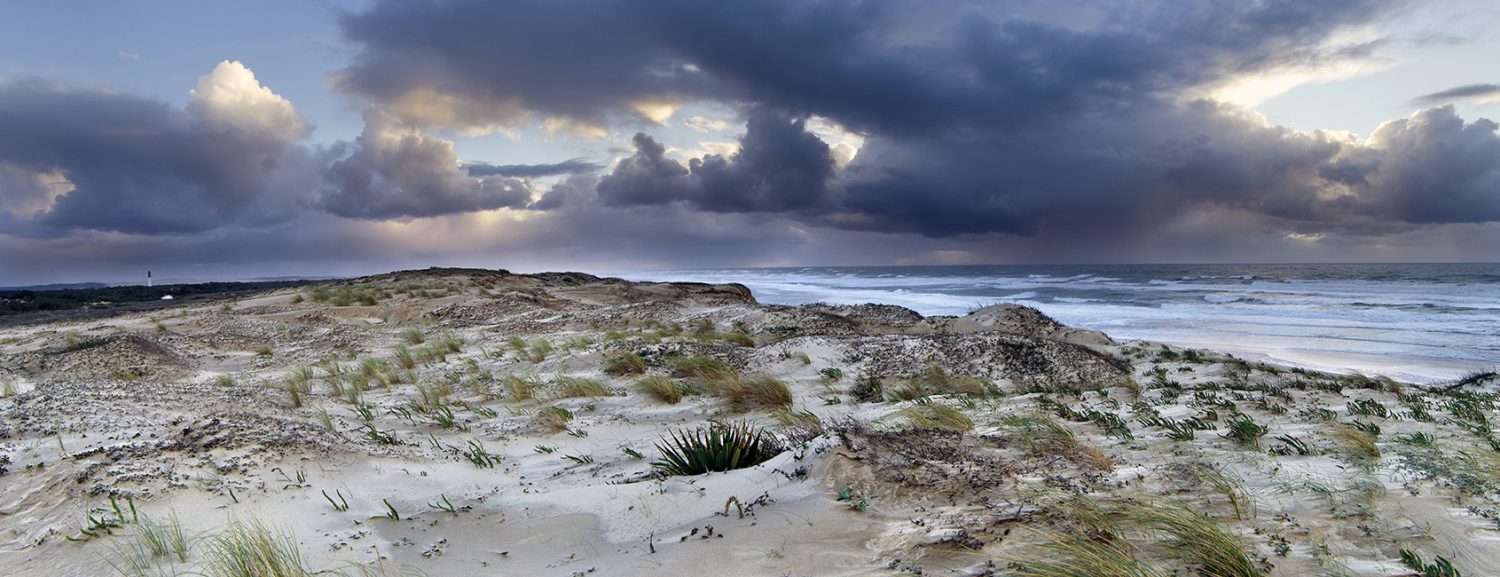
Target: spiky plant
716,447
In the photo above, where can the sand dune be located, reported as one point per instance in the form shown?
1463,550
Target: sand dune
464,422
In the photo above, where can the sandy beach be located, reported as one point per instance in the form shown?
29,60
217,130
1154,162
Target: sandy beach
469,422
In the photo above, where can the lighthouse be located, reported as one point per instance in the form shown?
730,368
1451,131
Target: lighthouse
148,279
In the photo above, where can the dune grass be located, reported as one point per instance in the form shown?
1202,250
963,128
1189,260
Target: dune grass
935,416
1354,442
937,381
803,424
553,419
520,388
568,387
538,350
252,549
1044,435
1225,483
750,393
700,367
404,357
662,389
1078,556
1100,540
1194,538
624,363
164,538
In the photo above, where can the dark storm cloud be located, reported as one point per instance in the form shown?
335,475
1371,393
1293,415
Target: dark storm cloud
841,58
571,166
495,60
977,118
779,167
1007,129
396,171
92,159
121,163
576,190
1459,93
1430,168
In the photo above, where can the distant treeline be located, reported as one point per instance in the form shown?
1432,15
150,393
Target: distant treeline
25,301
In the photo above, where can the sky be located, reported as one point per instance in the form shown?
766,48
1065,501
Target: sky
207,140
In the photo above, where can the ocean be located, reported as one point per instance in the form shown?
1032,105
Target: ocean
1413,322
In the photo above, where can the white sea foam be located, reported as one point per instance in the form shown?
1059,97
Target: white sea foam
1407,316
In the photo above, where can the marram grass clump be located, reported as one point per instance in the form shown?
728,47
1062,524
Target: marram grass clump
935,416
624,363
748,393
716,447
251,549
662,389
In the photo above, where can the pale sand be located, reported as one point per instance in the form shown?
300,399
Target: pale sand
938,504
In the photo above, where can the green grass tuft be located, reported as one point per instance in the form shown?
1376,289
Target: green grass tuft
662,389
568,387
748,393
624,363
934,416
251,549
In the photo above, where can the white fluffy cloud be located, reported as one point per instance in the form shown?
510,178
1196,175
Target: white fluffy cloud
230,98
